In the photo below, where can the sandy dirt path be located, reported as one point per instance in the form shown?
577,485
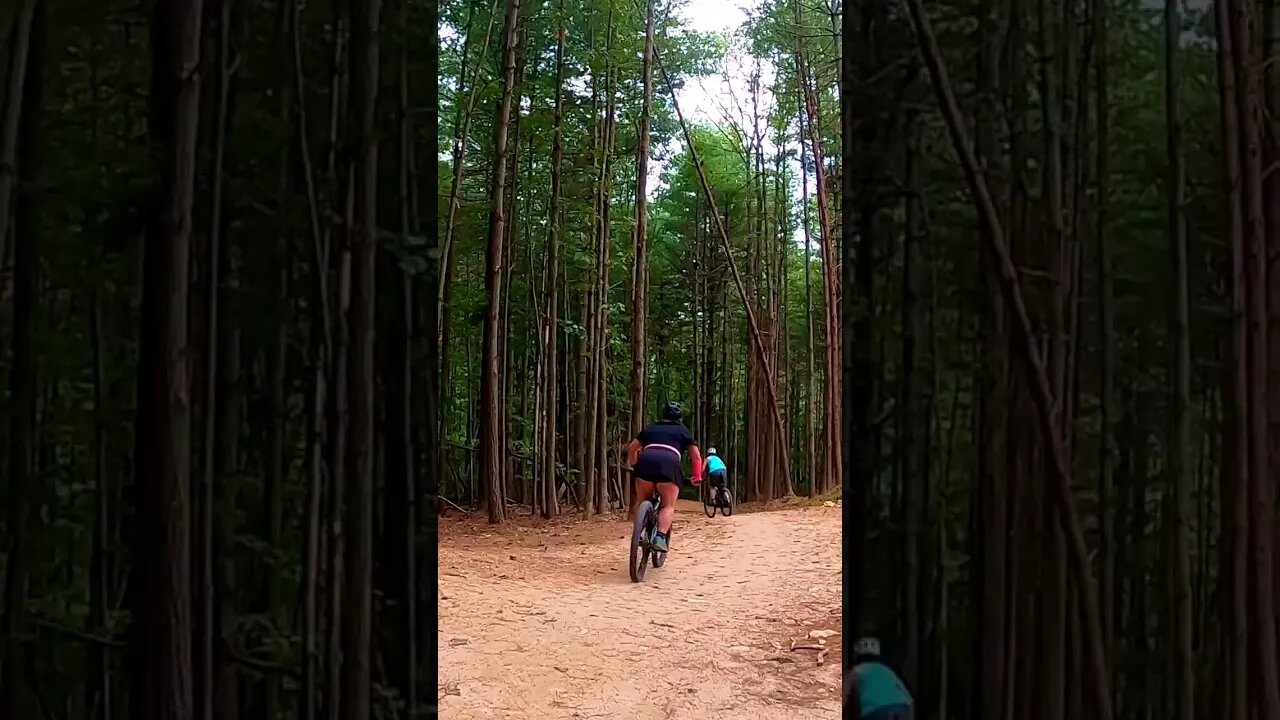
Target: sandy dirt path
540,620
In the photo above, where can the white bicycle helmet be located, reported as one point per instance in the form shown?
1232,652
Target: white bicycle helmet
711,451
867,646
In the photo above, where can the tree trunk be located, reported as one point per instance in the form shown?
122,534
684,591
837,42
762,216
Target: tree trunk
596,431
1235,478
1249,99
547,467
16,699
362,144
1182,636
639,242
830,277
15,96
444,293
811,446
216,681
1106,314
160,591
491,451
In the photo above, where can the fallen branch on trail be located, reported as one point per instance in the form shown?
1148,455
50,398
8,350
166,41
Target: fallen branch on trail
1042,392
795,647
454,504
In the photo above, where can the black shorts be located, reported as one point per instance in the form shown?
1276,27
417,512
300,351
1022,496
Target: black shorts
659,465
718,478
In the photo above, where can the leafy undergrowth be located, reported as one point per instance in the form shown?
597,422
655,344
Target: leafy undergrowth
829,499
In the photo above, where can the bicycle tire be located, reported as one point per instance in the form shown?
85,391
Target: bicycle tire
639,541
727,508
708,499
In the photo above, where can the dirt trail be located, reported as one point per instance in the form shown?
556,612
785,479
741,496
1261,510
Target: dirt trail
541,620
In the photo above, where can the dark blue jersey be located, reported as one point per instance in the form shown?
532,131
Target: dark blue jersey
671,434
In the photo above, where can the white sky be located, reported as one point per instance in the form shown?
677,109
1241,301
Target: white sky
726,94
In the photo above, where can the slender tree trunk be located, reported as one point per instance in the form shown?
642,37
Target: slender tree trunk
401,493
1182,634
15,95
597,430
1235,478
830,275
160,591
490,450
911,450
339,401
357,598
321,347
1270,68
216,680
444,293
811,446
23,493
274,468
639,243
101,704
1107,451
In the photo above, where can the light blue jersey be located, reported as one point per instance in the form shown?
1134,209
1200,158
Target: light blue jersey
879,687
715,464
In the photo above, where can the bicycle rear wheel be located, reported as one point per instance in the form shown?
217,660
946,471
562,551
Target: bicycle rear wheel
708,494
646,519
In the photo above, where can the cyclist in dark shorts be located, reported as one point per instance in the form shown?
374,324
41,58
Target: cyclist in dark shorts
716,468
656,459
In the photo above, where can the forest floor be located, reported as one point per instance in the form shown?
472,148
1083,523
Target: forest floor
539,619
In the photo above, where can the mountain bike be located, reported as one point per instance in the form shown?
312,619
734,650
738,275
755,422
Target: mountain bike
716,498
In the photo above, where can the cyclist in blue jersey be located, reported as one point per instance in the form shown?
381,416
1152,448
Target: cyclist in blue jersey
879,692
716,469
656,457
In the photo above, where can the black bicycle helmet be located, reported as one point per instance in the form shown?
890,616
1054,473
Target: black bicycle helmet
672,412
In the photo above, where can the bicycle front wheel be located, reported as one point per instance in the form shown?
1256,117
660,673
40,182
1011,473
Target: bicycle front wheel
646,518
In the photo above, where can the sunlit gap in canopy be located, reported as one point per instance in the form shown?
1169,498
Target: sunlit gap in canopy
723,98
720,99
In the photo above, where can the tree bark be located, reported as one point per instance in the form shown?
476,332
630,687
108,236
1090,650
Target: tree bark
1235,478
362,145
15,94
491,473
160,591
1181,462
444,292
639,242
23,494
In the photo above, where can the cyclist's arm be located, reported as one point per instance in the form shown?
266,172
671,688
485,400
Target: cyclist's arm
696,457
633,452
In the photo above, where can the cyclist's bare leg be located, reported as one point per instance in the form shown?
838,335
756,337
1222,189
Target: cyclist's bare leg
670,493
643,490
